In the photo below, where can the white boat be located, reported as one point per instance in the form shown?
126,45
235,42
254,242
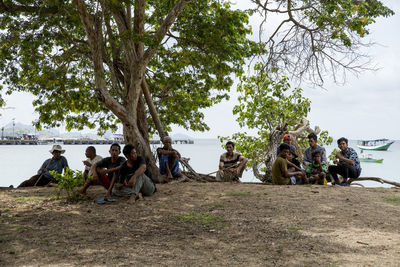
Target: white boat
377,144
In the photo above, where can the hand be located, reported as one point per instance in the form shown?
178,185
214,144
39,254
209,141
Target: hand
43,170
86,163
335,162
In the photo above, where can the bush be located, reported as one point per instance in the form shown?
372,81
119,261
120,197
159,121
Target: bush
68,182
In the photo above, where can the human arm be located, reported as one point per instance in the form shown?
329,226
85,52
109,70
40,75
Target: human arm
323,156
137,173
44,166
172,152
241,165
344,159
293,165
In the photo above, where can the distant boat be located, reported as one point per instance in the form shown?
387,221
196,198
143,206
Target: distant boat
377,144
369,158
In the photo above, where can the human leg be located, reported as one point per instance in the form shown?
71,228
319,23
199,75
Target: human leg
334,170
32,181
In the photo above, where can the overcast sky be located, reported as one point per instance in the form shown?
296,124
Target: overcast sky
367,106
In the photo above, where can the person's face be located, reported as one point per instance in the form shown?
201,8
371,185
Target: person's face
114,152
229,148
133,155
312,142
290,156
56,154
317,159
167,144
343,146
285,153
89,153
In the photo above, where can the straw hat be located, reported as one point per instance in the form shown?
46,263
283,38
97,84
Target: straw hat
57,148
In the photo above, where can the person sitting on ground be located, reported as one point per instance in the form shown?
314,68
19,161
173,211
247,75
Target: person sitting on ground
280,173
293,166
57,163
231,164
134,181
348,165
169,159
104,170
316,171
287,139
312,141
92,158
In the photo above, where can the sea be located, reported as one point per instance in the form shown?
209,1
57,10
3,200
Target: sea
20,162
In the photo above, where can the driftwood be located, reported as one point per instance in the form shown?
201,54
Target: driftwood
376,179
191,175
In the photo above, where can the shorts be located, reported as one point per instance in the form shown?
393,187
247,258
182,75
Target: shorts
105,181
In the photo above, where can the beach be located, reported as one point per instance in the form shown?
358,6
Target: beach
204,224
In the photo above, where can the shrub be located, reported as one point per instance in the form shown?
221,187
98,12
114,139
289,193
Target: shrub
68,182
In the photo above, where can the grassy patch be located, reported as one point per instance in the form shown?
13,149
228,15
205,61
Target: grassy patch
241,194
392,199
6,210
205,220
17,227
296,228
27,199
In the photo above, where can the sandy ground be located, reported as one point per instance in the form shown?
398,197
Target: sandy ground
196,224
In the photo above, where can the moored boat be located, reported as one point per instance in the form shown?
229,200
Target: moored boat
377,144
369,158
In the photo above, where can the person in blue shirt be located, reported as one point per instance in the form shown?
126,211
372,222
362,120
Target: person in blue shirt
57,163
347,163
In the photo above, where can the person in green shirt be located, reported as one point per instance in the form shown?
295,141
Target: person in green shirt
316,172
280,173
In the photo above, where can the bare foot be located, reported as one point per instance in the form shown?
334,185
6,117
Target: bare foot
132,199
140,197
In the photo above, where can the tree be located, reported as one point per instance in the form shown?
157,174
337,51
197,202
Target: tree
271,108
317,39
144,64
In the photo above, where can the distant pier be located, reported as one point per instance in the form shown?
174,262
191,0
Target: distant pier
83,142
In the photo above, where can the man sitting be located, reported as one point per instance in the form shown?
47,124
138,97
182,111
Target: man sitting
57,163
312,141
347,165
169,159
133,180
280,173
316,171
231,164
92,158
104,170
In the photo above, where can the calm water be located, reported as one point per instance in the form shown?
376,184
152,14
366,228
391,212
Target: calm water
20,162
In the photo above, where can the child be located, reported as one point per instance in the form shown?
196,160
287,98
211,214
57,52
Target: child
280,173
316,172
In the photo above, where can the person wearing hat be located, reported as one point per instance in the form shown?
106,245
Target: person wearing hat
287,139
57,163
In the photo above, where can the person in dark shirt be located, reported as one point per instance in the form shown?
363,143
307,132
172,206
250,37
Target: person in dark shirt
347,163
169,159
133,180
104,170
57,163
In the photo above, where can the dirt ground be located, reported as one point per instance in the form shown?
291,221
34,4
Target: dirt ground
202,224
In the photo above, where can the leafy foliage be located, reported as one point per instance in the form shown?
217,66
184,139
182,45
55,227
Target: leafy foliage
263,105
48,55
68,182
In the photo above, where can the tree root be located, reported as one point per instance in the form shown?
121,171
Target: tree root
376,179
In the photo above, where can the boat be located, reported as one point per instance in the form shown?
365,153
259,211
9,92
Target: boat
369,158
377,144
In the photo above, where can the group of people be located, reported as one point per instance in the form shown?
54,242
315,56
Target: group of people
121,176
129,177
287,170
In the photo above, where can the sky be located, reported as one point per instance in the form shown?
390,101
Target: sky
365,107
